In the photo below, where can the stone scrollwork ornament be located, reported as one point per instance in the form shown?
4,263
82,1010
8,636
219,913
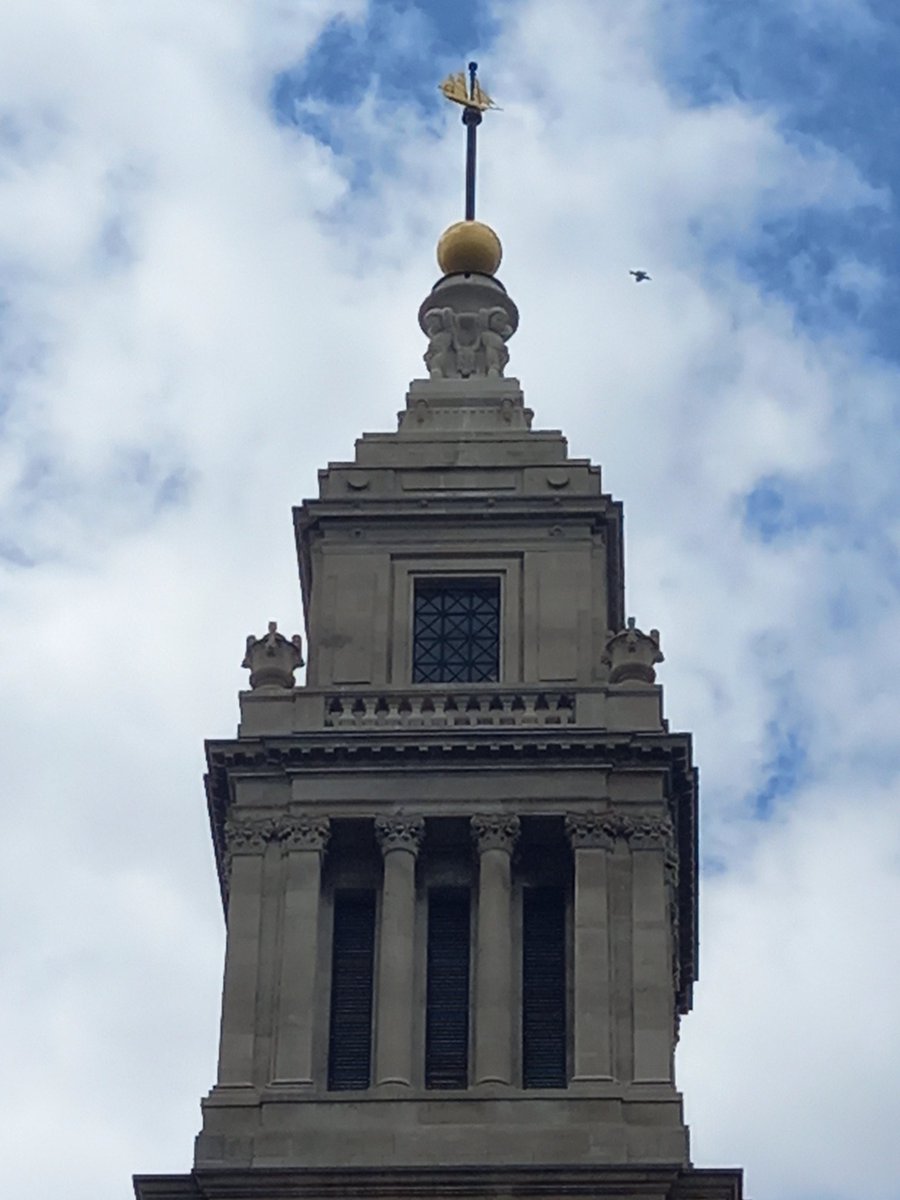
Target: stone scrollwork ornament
463,344
498,832
273,659
399,833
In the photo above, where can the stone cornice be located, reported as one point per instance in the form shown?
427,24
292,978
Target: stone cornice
613,1182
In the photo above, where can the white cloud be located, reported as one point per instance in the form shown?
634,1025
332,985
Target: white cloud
193,292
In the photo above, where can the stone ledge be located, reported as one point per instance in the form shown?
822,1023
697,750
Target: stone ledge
665,1182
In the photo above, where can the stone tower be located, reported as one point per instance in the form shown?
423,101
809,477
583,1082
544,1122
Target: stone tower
459,864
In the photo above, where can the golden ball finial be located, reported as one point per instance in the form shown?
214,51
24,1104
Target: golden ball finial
469,246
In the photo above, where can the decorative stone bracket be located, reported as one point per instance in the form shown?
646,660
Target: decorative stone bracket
632,654
272,659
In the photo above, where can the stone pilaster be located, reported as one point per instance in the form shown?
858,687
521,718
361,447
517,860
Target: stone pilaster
651,842
593,838
399,838
494,836
246,841
303,839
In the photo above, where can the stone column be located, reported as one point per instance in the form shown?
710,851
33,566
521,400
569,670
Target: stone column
304,839
246,841
399,838
592,838
495,837
652,846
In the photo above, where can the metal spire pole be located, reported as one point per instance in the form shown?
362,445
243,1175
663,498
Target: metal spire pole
471,119
474,101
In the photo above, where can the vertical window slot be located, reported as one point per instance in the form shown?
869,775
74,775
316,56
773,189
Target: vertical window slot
447,989
544,988
352,962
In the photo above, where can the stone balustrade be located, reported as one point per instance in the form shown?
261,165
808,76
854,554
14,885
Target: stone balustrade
442,709
452,707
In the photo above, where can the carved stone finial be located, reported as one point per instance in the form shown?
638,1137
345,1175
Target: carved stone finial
272,660
631,655
399,833
298,831
591,831
495,832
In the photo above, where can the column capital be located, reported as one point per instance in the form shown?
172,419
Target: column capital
591,831
245,834
650,833
495,832
301,831
399,833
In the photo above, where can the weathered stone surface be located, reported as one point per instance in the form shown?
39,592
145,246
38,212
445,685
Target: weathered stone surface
562,772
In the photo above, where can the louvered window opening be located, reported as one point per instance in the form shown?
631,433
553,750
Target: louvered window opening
456,631
544,988
447,989
352,962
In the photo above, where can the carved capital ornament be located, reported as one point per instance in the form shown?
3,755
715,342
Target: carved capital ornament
495,832
591,831
399,833
303,832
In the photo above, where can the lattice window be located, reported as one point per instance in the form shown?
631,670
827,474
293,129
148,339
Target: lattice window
456,631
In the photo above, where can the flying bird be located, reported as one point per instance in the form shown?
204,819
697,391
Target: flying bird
639,276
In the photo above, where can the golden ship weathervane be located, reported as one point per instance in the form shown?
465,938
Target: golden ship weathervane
475,101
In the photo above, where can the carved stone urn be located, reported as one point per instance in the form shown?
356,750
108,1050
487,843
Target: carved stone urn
272,660
632,654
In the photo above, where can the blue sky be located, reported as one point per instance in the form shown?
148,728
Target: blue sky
217,222
827,71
